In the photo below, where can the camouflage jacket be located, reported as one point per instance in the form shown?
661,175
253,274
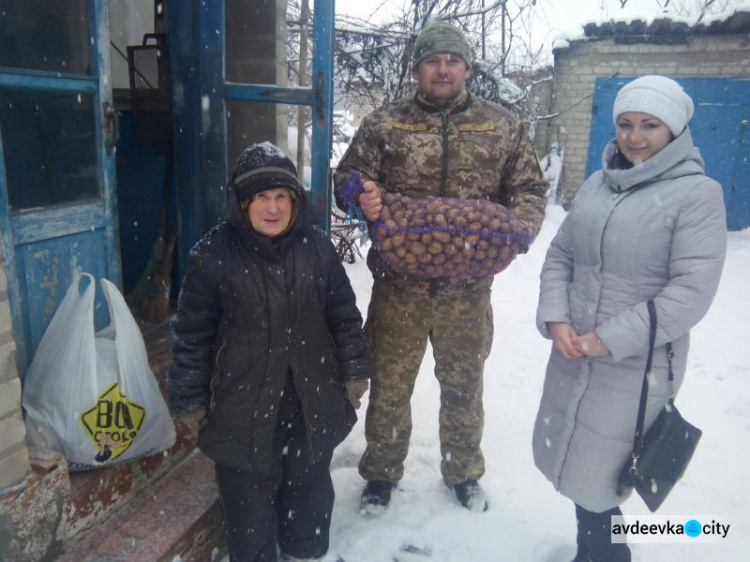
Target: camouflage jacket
469,149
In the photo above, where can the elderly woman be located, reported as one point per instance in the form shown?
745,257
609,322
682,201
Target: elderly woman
650,225
268,337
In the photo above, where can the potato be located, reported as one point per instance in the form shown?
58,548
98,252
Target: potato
441,236
444,237
434,247
417,248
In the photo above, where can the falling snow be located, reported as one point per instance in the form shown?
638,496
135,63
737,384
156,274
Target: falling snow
528,521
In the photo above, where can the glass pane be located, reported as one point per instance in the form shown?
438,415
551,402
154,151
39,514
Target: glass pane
253,122
49,145
256,43
46,35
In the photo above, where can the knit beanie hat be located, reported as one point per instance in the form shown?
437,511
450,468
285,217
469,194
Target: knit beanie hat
261,167
440,37
659,96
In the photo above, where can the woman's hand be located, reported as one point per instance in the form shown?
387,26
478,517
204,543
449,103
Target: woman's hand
371,200
590,344
563,335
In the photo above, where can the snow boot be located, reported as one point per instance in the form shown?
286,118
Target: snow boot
470,495
594,537
376,497
581,556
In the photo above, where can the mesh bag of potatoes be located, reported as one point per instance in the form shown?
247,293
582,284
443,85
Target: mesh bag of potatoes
445,237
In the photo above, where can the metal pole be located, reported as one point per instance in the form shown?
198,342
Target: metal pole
502,28
484,32
303,81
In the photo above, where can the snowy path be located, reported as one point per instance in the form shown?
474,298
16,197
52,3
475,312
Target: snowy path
528,520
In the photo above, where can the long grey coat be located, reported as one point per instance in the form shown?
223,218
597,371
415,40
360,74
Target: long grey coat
654,231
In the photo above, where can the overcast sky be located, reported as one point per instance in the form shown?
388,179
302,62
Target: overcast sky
554,18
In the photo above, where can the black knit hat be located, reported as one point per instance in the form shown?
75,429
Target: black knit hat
261,167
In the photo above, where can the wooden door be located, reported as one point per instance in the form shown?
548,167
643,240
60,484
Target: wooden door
57,135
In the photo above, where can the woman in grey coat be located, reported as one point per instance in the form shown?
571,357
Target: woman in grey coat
649,225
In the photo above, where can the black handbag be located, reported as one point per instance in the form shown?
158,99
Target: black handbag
660,457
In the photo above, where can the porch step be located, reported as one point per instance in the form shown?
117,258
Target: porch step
176,518
97,494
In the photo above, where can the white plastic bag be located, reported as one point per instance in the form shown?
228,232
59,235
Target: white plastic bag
93,397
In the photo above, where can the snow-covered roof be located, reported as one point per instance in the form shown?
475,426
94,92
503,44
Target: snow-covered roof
666,29
736,22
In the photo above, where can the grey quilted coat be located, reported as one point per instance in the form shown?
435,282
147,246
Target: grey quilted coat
654,231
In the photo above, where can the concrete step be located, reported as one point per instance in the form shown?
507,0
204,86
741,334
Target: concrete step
176,518
96,495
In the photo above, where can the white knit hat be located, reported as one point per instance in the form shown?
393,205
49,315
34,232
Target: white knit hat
659,96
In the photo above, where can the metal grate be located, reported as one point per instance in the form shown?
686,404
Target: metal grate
148,66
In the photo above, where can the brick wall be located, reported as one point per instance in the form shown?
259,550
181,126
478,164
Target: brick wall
579,65
14,457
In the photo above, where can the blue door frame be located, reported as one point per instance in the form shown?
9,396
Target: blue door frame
46,244
719,128
199,104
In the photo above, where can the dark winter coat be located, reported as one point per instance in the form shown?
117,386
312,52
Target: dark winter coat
654,231
252,311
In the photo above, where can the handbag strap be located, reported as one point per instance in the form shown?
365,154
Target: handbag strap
670,355
638,440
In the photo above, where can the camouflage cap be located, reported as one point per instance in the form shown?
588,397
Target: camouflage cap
440,37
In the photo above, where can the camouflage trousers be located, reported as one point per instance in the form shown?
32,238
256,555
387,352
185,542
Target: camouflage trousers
398,327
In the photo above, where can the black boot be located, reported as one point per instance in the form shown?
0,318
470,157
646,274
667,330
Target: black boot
376,496
470,495
581,556
595,537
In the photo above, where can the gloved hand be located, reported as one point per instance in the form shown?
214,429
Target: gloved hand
194,417
355,390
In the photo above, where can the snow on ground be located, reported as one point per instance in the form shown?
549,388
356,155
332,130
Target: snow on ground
528,520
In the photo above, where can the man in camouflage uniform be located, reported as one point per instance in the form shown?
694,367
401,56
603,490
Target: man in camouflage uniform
443,142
